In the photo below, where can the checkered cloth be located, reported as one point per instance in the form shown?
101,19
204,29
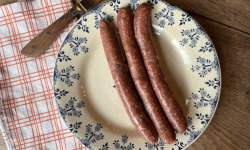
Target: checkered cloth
29,118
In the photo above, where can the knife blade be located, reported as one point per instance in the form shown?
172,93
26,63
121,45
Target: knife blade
42,41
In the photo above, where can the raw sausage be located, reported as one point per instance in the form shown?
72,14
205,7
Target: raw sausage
144,39
140,76
128,97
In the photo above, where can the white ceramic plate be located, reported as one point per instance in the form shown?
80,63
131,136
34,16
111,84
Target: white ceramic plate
85,91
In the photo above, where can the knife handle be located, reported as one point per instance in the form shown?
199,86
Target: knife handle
5,2
42,41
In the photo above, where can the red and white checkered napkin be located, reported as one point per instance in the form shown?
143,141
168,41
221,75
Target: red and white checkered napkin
29,117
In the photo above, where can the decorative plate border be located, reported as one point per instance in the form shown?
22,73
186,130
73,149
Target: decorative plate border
166,17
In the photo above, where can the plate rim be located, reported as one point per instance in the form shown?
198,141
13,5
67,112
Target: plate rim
165,2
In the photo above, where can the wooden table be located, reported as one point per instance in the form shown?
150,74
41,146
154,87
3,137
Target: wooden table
228,24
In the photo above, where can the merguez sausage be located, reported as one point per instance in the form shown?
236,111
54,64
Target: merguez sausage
140,76
144,39
128,97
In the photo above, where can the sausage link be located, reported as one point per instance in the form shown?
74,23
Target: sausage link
144,39
128,96
140,76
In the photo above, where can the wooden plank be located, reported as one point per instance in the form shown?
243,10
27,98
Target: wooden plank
234,13
230,126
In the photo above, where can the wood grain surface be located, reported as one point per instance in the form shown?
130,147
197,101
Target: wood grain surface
5,2
233,13
227,23
230,127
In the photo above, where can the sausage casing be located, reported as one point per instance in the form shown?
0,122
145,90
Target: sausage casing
144,39
140,76
125,89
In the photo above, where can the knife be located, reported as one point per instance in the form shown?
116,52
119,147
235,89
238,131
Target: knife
5,2
42,41
75,2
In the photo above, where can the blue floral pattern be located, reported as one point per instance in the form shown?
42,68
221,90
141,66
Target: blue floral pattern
123,145
78,44
82,27
66,40
60,93
70,109
185,18
158,146
153,2
62,57
92,135
133,5
66,76
191,133
207,48
192,35
201,100
74,127
166,15
205,66
115,5
214,83
75,42
101,15
104,146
